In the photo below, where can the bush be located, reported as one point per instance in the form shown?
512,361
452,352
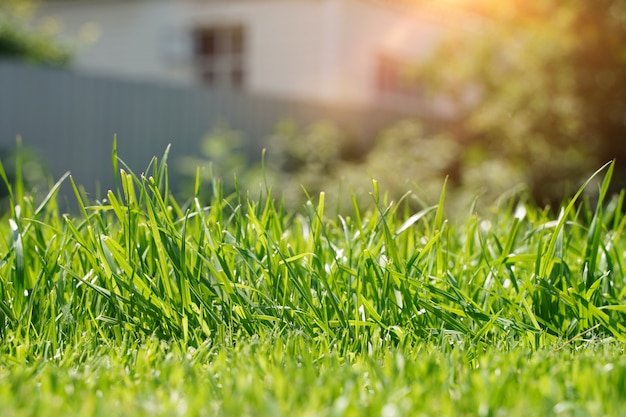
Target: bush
17,41
301,162
550,77
25,168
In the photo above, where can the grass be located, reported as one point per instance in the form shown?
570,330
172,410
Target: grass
141,305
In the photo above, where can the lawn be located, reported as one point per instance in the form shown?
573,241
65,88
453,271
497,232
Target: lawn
140,304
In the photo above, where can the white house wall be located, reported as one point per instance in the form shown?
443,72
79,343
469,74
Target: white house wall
291,45
317,50
372,29
131,38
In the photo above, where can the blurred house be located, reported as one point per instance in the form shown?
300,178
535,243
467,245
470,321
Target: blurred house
155,72
339,52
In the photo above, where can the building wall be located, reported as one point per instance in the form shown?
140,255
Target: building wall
373,29
290,44
318,50
134,39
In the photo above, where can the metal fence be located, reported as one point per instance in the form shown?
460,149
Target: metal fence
71,119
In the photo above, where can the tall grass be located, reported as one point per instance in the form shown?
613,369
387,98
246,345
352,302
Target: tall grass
139,264
140,304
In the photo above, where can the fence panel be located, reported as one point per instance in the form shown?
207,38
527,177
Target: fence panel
72,118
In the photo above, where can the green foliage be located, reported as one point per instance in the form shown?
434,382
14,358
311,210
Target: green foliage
141,305
309,158
539,85
222,163
24,168
406,156
548,77
18,41
298,161
292,376
143,263
301,161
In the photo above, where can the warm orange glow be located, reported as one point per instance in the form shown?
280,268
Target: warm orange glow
494,8
486,7
400,34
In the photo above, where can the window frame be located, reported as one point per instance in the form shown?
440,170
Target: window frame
219,53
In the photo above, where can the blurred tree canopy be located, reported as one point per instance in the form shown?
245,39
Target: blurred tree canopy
542,85
549,81
18,41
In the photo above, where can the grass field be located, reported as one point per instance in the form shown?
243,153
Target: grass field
142,305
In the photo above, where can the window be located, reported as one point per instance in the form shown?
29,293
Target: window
219,55
397,77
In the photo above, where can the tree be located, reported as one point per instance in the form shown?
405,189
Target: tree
18,41
550,78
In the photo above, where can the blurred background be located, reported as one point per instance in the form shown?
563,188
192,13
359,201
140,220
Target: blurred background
499,97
